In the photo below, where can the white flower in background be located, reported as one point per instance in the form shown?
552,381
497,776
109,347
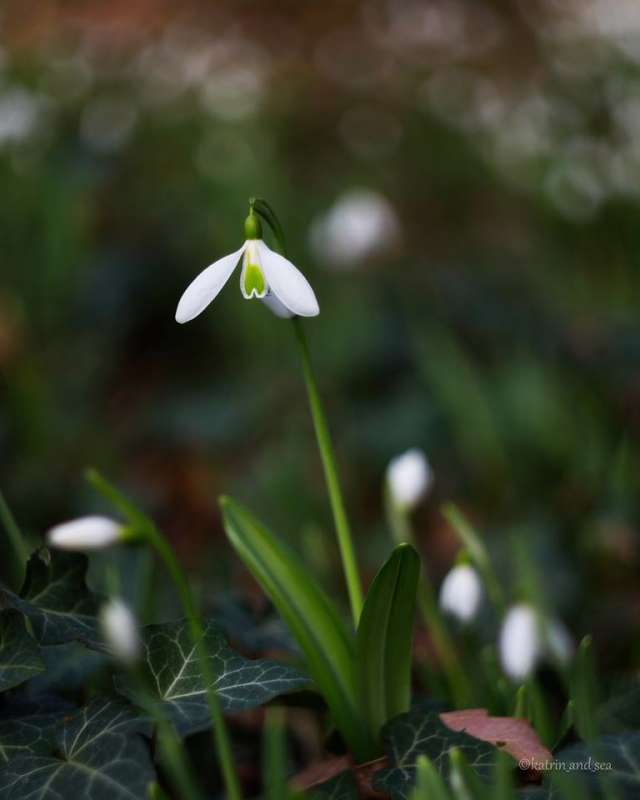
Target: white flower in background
120,631
520,642
461,593
559,645
409,478
527,638
265,275
86,533
360,224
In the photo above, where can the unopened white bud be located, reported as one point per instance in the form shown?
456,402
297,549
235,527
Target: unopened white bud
86,533
409,477
461,593
520,642
120,631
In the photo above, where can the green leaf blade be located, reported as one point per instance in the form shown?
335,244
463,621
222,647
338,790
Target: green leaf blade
385,635
314,621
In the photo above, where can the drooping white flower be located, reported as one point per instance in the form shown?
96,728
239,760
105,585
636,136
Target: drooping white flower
86,533
265,275
409,477
120,631
461,593
521,644
559,645
528,638
361,224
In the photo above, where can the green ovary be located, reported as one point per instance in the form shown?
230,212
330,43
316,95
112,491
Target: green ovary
253,281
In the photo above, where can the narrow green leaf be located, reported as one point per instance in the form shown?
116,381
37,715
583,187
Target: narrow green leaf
465,783
583,690
384,638
477,552
328,645
429,782
274,756
503,788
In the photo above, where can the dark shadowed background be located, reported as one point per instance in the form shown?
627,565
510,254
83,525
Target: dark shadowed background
460,182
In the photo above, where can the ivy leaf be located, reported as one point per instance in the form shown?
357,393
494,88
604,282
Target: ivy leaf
174,669
56,599
26,724
342,787
613,760
418,733
515,736
19,652
98,754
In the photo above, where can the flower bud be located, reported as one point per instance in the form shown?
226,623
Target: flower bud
86,533
461,593
120,631
520,642
409,477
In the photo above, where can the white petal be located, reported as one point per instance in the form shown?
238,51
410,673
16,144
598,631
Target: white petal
206,286
520,645
409,476
288,284
86,533
461,592
274,305
120,631
559,643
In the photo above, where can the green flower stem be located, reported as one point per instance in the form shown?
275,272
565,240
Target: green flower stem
325,446
18,545
169,743
221,736
459,685
347,553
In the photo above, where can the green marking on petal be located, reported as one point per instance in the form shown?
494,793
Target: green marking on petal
253,281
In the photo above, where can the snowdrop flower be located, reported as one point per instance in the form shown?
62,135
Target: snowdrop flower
86,533
361,223
409,477
120,631
520,642
559,645
265,275
461,593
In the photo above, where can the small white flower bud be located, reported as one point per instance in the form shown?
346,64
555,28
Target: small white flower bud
120,631
461,593
86,533
409,477
520,642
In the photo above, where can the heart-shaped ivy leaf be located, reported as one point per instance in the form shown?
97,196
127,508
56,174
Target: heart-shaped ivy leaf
19,652
342,787
174,671
97,754
27,724
418,733
612,760
56,599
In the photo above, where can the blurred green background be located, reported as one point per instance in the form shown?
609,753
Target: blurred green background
460,183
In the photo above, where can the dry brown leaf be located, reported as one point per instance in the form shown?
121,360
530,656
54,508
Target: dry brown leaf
513,735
